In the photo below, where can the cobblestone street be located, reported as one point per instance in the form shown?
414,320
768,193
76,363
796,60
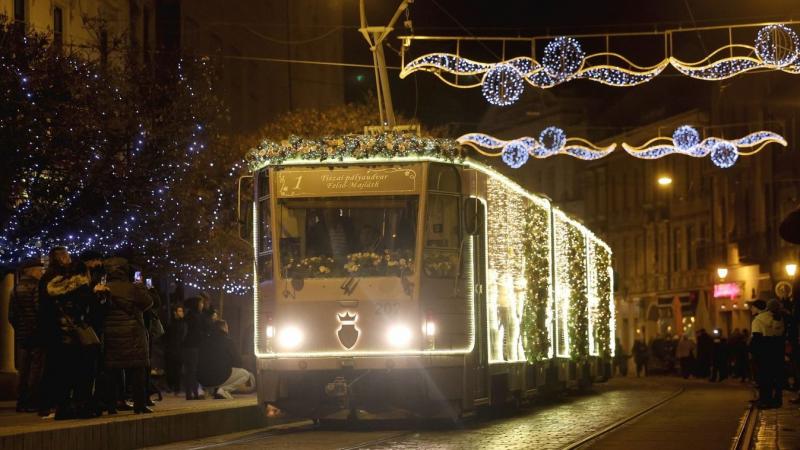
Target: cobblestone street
700,412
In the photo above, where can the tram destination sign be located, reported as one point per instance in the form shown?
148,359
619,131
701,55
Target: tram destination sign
348,181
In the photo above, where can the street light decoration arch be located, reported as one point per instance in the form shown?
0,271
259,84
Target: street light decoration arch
776,47
685,141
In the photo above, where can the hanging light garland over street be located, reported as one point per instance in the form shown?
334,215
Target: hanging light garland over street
775,47
685,140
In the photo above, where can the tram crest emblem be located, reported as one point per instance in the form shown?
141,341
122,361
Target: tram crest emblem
348,333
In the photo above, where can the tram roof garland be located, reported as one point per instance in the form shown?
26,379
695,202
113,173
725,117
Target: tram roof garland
352,146
775,47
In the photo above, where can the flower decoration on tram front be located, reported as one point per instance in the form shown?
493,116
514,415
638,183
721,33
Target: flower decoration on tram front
552,141
723,152
776,47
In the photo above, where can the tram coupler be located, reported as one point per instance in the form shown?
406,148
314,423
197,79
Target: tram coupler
338,389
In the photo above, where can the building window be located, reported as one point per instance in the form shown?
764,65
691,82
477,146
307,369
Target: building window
19,11
676,252
691,247
58,27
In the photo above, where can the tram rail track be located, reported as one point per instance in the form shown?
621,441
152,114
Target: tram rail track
744,436
620,423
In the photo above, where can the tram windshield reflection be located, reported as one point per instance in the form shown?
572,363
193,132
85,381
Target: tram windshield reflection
347,236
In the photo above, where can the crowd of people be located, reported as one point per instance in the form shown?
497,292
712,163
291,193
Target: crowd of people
85,331
769,354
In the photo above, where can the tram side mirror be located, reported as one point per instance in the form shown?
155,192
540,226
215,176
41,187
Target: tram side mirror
472,219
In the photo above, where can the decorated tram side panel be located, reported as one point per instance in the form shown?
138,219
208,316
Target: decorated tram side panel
548,289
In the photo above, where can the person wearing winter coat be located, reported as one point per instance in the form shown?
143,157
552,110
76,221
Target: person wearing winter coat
64,298
173,342
220,364
641,354
685,355
125,336
28,349
198,325
767,344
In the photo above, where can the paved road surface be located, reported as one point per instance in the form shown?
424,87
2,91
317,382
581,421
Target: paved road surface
704,413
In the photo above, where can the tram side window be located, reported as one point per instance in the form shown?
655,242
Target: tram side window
443,222
265,265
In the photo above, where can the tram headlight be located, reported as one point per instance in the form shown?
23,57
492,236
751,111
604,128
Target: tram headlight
290,337
398,335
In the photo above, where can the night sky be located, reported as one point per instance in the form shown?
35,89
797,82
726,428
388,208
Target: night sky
425,97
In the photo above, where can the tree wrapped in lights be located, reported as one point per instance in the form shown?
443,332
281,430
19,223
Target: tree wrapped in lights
111,156
579,299
603,325
535,330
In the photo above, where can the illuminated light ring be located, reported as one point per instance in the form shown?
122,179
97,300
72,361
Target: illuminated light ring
552,140
563,57
502,85
724,154
768,48
686,137
515,154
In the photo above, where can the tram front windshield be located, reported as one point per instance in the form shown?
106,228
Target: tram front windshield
347,236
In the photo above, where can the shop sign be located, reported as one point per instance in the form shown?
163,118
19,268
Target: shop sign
727,290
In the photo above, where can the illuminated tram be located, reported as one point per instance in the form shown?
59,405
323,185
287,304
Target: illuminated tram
389,281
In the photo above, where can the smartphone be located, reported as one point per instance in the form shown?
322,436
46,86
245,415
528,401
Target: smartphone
149,283
137,277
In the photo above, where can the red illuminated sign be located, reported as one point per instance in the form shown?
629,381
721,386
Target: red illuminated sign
729,290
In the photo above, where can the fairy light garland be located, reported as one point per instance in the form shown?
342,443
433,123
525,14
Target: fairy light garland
723,152
685,140
552,141
775,47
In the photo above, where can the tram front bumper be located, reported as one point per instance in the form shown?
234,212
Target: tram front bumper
320,387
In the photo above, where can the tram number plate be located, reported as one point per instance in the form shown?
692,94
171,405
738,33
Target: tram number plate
387,308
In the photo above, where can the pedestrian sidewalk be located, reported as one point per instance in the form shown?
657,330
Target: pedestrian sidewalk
778,428
174,419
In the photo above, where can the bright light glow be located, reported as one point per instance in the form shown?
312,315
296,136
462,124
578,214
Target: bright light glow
430,328
398,335
791,269
290,337
270,332
664,180
722,272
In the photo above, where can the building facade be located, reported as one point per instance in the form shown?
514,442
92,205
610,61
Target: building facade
672,242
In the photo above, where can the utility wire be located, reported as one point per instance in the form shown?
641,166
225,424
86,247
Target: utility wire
447,13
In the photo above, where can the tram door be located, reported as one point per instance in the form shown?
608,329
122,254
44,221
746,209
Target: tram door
475,215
